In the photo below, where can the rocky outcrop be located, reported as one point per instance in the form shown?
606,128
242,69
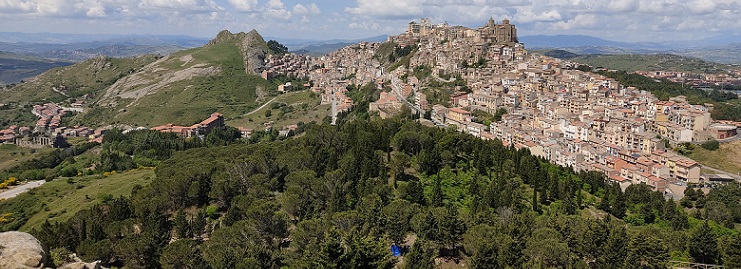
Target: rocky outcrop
81,265
254,50
20,250
251,45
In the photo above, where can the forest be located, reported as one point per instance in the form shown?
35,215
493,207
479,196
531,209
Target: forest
342,196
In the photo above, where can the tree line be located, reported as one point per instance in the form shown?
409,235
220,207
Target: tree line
341,196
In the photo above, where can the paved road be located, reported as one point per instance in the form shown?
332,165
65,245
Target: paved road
718,171
334,108
20,189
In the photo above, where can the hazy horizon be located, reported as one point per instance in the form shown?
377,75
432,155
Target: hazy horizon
618,20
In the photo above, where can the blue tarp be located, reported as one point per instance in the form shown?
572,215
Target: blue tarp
395,250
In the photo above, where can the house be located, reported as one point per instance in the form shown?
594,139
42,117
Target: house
687,170
458,114
202,128
722,131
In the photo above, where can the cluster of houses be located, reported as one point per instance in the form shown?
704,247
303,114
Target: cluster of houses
694,79
200,129
568,117
331,74
48,131
289,65
589,122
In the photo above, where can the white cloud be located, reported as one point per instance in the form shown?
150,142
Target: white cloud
96,11
12,6
244,5
579,21
368,26
402,9
526,16
622,5
702,6
275,4
180,5
311,9
276,10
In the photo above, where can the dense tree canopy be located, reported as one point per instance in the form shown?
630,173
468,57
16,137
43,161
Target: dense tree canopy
340,196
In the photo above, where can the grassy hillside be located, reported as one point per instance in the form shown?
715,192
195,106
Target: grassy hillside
290,108
650,62
11,155
61,199
727,158
182,88
88,77
227,90
16,116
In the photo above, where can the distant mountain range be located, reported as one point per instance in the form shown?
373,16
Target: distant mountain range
74,47
15,68
722,49
322,47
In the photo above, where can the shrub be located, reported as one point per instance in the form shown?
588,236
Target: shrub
711,145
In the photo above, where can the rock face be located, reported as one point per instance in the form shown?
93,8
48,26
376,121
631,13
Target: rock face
20,250
251,45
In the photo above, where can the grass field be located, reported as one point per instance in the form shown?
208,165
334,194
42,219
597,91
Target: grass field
10,155
59,200
299,107
727,158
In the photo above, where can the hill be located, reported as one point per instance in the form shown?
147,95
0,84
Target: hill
650,62
721,49
14,67
183,87
727,54
322,49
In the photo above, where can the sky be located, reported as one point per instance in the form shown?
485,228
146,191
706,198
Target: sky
619,20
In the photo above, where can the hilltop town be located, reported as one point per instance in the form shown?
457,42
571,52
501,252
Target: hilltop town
569,117
483,81
444,146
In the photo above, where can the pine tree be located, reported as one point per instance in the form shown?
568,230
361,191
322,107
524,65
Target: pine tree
535,200
437,193
704,245
646,250
613,252
182,226
618,207
485,257
732,252
420,257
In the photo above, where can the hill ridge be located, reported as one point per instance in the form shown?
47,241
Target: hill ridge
181,87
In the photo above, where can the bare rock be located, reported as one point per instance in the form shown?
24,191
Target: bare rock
19,250
81,265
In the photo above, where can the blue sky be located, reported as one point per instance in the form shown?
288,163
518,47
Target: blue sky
622,20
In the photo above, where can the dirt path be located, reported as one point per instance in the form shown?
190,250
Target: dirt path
20,189
256,109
